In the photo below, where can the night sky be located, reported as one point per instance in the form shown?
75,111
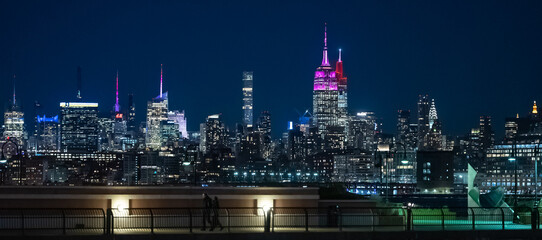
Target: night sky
474,57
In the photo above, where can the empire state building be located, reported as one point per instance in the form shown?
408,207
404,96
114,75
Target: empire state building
325,94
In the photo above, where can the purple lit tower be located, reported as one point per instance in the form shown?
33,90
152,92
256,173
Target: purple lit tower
325,94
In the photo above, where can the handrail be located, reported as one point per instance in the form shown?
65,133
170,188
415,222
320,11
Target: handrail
68,221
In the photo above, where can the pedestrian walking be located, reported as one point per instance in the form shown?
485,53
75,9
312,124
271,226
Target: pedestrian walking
216,221
207,205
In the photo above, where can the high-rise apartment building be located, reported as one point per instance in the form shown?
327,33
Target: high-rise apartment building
214,133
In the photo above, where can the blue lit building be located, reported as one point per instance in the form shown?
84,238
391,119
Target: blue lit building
47,133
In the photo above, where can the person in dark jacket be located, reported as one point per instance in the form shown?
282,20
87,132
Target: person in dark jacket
216,220
207,205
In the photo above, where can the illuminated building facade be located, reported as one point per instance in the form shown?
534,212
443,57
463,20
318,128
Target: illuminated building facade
423,119
248,104
157,112
14,125
79,126
14,121
342,92
179,119
325,94
353,168
501,169
47,133
264,127
361,131
215,133
131,124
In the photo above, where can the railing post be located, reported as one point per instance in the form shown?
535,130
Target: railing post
533,220
190,220
228,218
442,213
372,219
22,222
473,219
63,222
409,219
267,222
104,221
306,220
112,222
536,218
340,219
273,220
152,221
502,217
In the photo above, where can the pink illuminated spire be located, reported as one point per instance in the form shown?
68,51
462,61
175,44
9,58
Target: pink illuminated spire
340,53
325,60
161,74
117,105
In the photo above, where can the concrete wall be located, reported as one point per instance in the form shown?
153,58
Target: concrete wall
154,197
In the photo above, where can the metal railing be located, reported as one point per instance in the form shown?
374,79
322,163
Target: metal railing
279,219
52,221
178,220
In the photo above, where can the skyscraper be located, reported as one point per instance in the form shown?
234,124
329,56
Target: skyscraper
47,129
79,126
423,118
403,126
157,111
131,113
264,127
214,133
434,140
325,94
487,136
179,119
248,105
432,114
117,105
342,92
14,121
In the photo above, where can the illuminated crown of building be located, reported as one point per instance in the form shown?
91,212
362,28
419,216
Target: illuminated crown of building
432,114
535,110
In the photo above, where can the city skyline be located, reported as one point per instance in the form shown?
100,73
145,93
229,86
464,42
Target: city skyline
187,75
